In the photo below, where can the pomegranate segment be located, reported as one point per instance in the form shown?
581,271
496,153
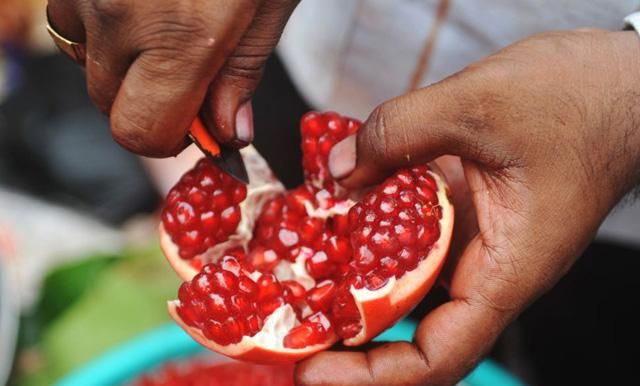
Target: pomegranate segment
202,210
319,133
309,266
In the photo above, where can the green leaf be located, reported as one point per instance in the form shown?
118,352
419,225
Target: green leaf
125,299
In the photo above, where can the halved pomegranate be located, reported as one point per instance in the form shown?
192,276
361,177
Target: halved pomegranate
304,268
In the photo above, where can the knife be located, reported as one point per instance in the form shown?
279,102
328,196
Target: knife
227,159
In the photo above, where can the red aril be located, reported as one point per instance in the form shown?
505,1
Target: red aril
307,267
200,372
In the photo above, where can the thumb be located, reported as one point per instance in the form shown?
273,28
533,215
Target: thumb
408,130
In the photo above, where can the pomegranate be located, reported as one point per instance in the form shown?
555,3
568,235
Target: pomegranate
275,276
200,372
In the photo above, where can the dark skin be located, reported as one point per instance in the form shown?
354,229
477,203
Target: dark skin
542,141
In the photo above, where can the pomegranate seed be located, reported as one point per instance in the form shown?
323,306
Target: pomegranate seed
196,197
268,287
216,307
325,144
389,267
340,225
350,329
268,306
213,330
254,324
233,329
428,195
306,334
185,215
209,221
319,298
375,281
310,145
427,235
388,205
312,124
352,126
338,249
408,258
405,179
319,265
199,309
184,292
336,126
187,315
364,258
230,218
225,280
247,286
296,289
288,238
310,229
201,284
240,305
191,240
383,242
406,233
170,223
239,194
230,263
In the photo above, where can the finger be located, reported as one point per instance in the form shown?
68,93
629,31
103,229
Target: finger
65,19
166,84
227,109
446,118
109,50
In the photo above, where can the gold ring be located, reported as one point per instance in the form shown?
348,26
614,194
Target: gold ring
75,51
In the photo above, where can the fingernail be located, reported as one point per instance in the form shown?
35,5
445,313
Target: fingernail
342,158
244,123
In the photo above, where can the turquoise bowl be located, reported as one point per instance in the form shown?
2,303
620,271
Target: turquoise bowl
169,343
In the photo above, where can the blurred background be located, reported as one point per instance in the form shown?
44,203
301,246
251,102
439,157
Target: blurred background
80,267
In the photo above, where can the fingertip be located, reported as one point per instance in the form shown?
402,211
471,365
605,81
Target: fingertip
228,116
129,132
244,123
342,158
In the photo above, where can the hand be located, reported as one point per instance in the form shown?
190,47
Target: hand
546,131
154,65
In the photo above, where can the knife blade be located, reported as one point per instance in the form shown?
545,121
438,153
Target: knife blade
227,159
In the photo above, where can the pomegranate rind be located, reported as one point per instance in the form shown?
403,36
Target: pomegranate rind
263,185
398,297
248,349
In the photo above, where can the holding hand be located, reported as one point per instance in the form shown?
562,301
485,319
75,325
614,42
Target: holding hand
548,139
154,65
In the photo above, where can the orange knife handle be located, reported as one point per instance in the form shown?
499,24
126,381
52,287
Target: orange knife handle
205,140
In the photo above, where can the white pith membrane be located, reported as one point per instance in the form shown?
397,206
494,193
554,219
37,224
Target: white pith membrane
264,186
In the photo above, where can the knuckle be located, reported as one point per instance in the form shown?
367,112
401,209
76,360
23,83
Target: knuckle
127,131
245,67
178,33
376,136
111,9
